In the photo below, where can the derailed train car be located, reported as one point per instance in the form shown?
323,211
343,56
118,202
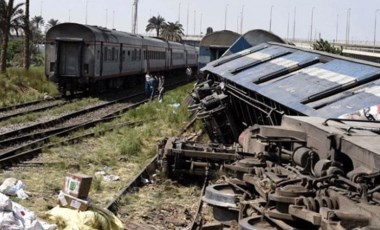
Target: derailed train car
280,121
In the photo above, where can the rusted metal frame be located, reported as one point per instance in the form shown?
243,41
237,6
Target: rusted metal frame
197,223
264,212
249,103
246,95
203,155
348,120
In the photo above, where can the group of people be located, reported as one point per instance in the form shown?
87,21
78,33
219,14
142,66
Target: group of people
154,84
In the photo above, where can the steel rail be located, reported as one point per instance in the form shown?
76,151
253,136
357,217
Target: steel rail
7,116
17,106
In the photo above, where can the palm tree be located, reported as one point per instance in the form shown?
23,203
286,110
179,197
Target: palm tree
172,31
52,22
38,21
26,37
17,21
155,23
8,13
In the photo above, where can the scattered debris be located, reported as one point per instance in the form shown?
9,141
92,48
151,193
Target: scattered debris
96,218
13,187
16,217
106,176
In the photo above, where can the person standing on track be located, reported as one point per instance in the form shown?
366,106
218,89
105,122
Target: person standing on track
147,84
189,72
161,82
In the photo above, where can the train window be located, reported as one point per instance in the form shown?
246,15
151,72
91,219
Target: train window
139,54
117,55
52,66
134,55
105,53
113,54
85,68
98,54
123,56
129,53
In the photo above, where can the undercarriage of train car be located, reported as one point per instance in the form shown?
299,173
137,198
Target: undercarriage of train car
286,171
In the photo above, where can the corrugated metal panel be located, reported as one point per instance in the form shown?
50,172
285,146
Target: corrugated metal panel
312,83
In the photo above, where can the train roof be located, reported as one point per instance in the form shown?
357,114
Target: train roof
253,38
219,39
89,33
310,82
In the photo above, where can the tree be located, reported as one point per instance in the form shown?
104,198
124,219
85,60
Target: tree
323,45
38,21
155,23
172,31
8,13
26,37
17,21
52,22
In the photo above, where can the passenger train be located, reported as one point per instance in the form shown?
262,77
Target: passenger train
83,57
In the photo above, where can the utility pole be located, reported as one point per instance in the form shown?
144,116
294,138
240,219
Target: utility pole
374,34
287,31
85,21
348,25
311,24
294,23
241,22
270,19
187,21
200,24
195,19
113,19
225,17
179,12
106,18
134,21
337,28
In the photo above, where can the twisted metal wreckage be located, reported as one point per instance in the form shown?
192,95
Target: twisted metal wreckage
303,160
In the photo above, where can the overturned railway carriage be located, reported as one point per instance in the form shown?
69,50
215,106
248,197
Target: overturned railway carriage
302,162
82,57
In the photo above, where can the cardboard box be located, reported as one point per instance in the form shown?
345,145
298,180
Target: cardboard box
77,185
68,201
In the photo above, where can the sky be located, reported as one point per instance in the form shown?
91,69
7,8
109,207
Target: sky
196,15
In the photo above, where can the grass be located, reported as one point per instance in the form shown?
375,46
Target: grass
70,107
124,151
19,85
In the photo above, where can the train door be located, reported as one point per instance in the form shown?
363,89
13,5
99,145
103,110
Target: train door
101,59
69,58
186,58
121,58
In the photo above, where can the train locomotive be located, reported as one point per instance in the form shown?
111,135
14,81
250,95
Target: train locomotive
84,57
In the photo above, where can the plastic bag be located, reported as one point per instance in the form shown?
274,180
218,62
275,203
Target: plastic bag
13,187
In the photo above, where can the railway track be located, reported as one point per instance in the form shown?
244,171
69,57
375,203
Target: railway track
34,107
139,180
16,147
24,105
